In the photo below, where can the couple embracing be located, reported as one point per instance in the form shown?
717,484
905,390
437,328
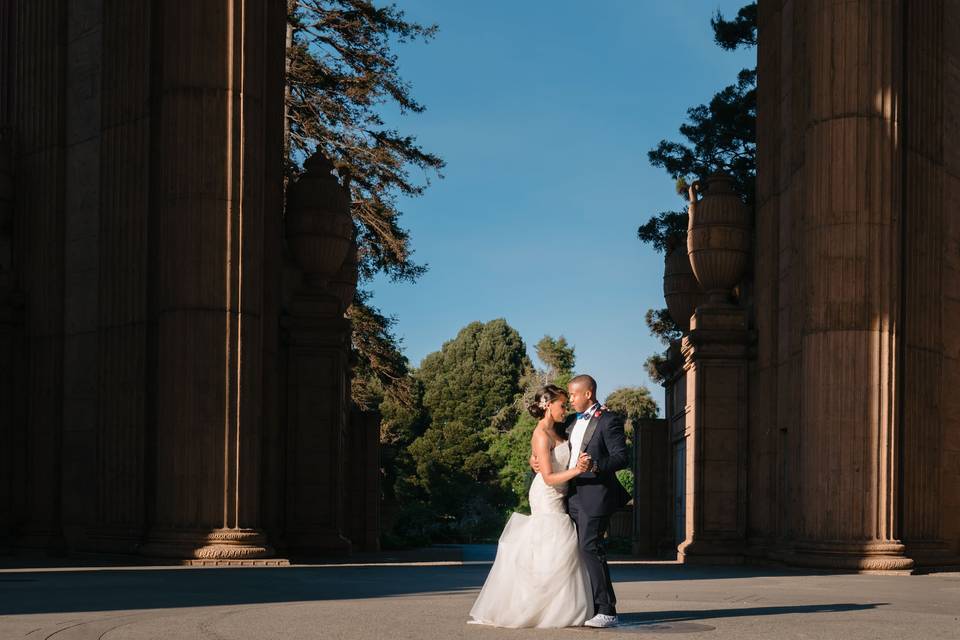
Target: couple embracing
551,567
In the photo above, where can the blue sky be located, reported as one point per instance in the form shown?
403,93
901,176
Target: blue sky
544,112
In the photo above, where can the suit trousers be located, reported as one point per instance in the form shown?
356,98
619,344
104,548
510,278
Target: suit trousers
590,533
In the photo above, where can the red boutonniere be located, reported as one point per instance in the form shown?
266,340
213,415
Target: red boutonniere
597,414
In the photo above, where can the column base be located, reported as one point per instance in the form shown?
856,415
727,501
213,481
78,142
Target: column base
866,557
710,552
216,544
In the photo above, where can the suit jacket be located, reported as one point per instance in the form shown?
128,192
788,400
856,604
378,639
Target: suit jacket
600,493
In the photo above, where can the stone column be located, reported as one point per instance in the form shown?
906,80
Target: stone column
926,87
11,337
39,166
650,465
82,125
765,432
715,359
949,446
207,255
9,320
319,232
123,376
362,492
850,246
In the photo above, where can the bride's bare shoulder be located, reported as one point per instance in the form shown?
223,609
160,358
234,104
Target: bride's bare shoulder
540,438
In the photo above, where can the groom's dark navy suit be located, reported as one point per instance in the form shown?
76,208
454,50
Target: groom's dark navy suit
595,496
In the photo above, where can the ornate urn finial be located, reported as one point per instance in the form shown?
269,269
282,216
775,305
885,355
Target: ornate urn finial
718,237
319,227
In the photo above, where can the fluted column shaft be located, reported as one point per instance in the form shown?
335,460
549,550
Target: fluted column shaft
39,118
850,248
209,196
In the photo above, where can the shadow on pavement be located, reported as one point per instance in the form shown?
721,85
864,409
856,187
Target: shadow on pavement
660,617
25,592
59,590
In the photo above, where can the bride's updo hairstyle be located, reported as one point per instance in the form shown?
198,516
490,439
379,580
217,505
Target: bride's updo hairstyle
544,396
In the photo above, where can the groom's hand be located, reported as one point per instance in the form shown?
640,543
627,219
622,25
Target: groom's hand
534,464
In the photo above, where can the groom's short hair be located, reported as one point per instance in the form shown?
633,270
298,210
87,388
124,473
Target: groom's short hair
586,381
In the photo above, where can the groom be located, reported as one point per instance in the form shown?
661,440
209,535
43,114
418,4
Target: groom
597,494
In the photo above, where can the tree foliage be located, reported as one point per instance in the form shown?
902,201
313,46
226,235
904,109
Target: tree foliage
662,325
559,357
473,377
634,403
470,386
341,72
380,363
718,136
741,31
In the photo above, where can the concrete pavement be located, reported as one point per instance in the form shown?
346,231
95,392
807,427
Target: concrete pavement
431,600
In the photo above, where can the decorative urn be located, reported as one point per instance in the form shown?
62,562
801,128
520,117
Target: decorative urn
681,290
319,227
718,237
343,284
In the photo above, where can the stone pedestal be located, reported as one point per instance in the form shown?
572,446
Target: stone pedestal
715,358
317,418
651,522
362,493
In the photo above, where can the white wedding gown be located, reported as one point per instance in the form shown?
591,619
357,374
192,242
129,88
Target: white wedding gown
537,579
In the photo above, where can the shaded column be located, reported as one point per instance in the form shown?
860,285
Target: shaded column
362,493
9,319
38,121
949,250
208,194
123,375
81,246
651,522
319,232
11,340
924,86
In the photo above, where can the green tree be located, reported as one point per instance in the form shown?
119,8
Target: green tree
634,403
475,376
469,387
342,70
559,357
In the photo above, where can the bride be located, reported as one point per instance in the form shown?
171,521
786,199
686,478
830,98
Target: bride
537,579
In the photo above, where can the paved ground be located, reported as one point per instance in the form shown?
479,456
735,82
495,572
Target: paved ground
429,601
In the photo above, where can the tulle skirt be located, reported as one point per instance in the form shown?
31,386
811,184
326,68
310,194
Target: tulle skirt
537,579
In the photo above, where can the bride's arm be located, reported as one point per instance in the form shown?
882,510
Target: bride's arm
541,449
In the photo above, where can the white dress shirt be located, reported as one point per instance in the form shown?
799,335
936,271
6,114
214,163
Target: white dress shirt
576,436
